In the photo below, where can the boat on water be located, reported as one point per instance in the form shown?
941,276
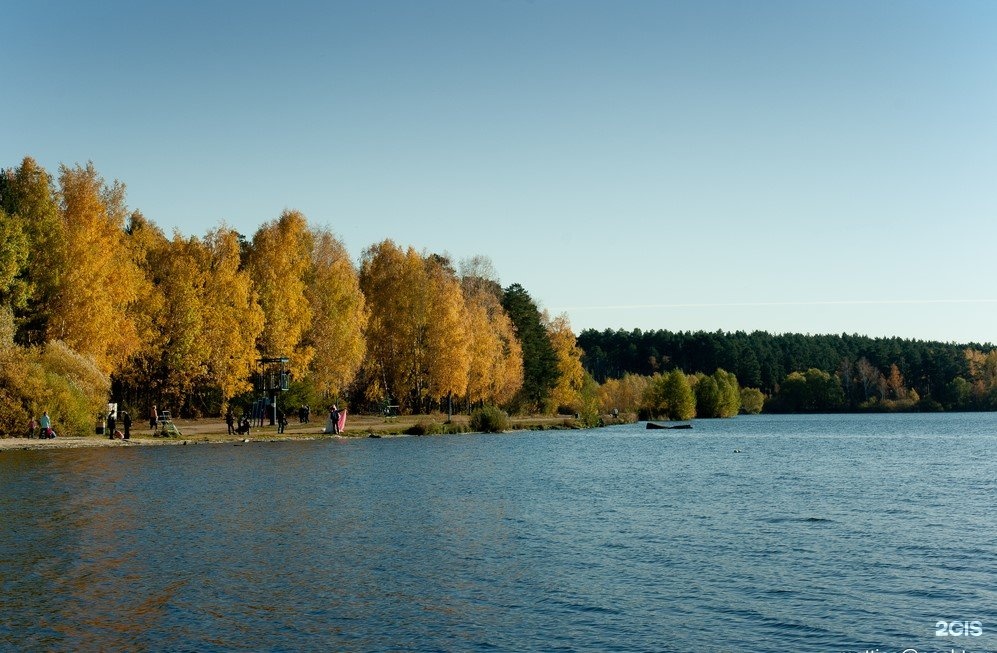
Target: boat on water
659,425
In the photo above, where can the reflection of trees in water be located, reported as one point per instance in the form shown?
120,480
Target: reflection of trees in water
75,576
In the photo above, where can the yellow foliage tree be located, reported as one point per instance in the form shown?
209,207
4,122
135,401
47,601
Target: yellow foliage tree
393,283
279,262
233,319
417,340
624,394
184,351
447,359
98,281
340,315
982,370
571,374
495,365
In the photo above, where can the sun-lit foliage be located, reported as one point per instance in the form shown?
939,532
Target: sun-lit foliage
97,284
566,392
280,257
339,315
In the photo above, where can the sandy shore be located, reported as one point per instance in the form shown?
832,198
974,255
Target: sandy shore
193,432
214,431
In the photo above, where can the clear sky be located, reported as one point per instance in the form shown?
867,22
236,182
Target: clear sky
812,167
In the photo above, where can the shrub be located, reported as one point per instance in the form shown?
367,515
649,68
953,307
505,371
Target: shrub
752,401
489,419
423,427
55,378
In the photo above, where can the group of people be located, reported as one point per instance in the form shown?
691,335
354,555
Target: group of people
126,422
242,428
42,428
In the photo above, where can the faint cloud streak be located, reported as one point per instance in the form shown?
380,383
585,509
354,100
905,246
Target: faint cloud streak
841,302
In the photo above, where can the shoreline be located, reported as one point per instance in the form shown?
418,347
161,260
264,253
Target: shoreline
215,432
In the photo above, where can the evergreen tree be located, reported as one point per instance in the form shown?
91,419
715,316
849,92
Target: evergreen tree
540,371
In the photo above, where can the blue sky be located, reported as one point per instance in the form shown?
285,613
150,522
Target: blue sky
813,167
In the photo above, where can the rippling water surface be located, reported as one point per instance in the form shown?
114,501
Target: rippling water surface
825,533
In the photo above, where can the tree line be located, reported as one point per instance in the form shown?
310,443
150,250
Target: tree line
809,373
97,302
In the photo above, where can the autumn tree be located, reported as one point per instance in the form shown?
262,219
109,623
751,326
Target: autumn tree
279,260
895,383
669,395
97,282
138,382
729,400
339,315
30,201
495,370
233,319
183,351
387,273
570,373
752,401
624,394
14,248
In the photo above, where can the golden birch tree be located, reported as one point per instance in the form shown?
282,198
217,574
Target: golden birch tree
394,284
278,263
340,315
483,347
508,375
571,374
143,243
97,281
495,370
184,352
447,356
233,319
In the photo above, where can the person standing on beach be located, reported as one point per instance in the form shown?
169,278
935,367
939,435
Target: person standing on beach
112,422
31,428
46,423
334,418
230,421
153,418
126,419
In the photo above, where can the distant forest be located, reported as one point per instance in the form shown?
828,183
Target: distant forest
870,371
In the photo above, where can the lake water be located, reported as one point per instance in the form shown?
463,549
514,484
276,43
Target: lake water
825,533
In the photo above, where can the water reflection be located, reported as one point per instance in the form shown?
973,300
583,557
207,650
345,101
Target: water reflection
606,540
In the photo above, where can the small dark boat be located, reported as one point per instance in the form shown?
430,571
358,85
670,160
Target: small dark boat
658,425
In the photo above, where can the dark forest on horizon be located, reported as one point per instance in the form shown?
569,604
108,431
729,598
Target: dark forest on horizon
873,373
